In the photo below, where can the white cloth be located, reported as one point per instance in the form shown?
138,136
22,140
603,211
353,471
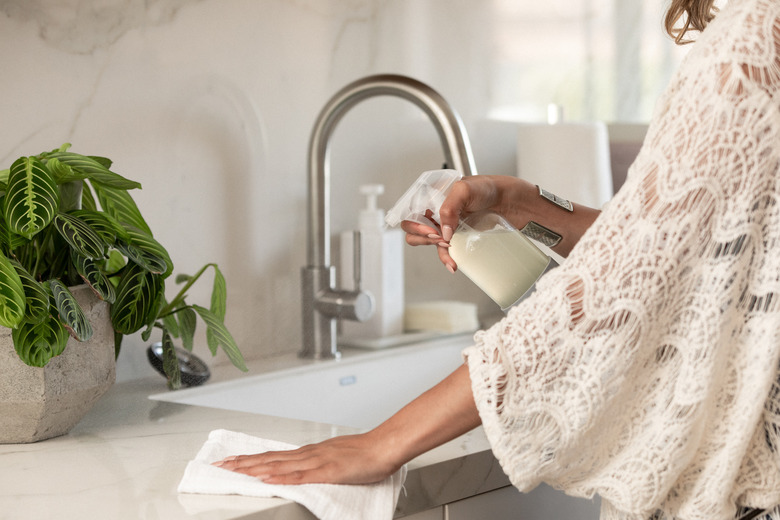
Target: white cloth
325,501
645,368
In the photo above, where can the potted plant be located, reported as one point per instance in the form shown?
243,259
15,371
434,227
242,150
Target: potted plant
66,219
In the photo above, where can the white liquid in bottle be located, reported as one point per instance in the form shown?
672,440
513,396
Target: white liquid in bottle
502,262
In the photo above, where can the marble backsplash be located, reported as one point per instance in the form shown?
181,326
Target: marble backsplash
209,104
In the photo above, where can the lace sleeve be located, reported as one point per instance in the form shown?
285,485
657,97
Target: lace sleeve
645,368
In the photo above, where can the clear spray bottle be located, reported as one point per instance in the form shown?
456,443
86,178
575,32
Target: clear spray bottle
492,253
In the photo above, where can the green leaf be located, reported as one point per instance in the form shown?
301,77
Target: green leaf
94,170
222,336
87,200
9,239
37,343
154,312
80,236
171,324
32,198
36,296
120,205
219,294
63,173
71,315
115,262
135,300
4,178
103,161
12,297
70,196
94,277
170,362
188,321
103,224
181,278
145,251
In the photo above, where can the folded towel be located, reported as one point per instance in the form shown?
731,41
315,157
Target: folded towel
325,501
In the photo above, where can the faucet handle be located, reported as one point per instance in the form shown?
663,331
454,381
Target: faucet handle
349,305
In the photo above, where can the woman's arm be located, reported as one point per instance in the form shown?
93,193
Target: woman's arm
437,416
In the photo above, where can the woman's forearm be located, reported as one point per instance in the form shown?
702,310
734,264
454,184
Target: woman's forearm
441,414
520,202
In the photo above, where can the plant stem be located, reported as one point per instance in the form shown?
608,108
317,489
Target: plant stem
179,298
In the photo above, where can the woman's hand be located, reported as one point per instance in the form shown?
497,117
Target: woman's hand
469,195
352,459
439,415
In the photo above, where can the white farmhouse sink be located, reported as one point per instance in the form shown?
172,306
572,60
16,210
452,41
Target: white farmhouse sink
360,390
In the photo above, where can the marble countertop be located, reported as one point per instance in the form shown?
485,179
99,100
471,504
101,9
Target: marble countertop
125,459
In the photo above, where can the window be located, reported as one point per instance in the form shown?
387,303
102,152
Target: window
603,60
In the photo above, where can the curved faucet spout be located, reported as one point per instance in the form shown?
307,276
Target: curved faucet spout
319,326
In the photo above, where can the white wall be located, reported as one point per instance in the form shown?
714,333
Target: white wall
209,104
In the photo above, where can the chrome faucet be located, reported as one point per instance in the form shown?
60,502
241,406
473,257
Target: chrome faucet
323,304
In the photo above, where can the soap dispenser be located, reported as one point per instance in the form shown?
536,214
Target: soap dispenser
380,257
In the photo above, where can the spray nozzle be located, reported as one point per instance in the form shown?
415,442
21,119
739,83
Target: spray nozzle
426,194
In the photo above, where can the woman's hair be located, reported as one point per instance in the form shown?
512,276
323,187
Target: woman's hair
695,14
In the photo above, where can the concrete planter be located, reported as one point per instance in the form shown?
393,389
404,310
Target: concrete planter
41,403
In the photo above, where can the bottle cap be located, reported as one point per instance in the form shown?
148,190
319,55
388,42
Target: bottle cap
426,194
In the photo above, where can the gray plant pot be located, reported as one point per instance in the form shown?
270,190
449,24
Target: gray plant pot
41,403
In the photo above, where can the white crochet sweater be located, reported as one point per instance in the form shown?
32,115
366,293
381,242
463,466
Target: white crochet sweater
645,368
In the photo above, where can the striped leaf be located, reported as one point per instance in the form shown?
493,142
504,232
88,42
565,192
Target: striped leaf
120,205
12,297
92,169
145,251
151,315
94,277
136,298
222,337
32,199
63,173
9,239
103,224
71,315
37,343
82,238
36,295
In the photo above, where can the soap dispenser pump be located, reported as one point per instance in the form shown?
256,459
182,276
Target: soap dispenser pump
381,270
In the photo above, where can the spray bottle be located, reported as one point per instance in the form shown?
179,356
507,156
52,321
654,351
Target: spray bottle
492,253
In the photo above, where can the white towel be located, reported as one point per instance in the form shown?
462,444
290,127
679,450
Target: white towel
325,501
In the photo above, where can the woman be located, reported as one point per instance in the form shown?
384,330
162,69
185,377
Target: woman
645,368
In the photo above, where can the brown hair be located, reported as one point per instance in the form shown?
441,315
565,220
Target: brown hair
695,13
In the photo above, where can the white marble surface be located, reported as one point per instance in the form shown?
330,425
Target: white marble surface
125,459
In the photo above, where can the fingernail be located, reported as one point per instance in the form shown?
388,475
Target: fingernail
433,235
218,463
450,269
443,244
446,233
